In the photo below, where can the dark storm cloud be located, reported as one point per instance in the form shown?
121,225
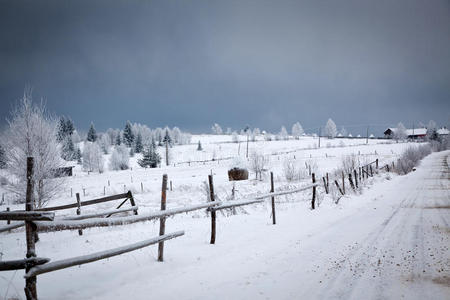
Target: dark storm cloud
263,63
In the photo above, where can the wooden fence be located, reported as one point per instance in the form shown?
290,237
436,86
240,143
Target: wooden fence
43,220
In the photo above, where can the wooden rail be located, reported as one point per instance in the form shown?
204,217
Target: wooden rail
21,215
85,203
22,263
80,260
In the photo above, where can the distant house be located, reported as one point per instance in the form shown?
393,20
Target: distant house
62,172
443,131
414,134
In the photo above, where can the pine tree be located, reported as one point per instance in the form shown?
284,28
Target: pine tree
92,134
128,135
150,157
78,156
68,149
167,139
199,147
118,139
138,147
61,134
2,158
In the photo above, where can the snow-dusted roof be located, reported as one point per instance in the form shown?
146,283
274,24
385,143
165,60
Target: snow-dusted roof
415,131
443,131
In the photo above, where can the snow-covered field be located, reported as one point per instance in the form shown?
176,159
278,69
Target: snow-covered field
335,251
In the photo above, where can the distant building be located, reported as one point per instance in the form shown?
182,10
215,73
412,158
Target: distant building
443,131
414,134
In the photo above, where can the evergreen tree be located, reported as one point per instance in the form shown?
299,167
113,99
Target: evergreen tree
68,149
167,139
92,134
61,134
138,147
2,158
128,135
118,139
78,156
150,157
199,147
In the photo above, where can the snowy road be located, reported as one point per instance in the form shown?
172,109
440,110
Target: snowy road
390,242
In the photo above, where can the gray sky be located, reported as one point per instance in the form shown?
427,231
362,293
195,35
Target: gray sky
262,63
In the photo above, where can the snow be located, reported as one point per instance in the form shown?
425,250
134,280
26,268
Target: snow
349,250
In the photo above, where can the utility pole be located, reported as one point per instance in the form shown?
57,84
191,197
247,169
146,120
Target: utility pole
367,135
320,129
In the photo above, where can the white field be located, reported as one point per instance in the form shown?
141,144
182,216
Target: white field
303,256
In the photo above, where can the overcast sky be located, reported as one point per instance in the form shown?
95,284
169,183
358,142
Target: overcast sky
263,63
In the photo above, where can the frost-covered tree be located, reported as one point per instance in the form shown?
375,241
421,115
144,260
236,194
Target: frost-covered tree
128,135
199,147
400,132
158,136
78,156
150,158
176,135
283,135
65,129
216,129
432,134
118,140
120,159
76,137
92,134
258,162
297,130
138,146
31,132
92,158
67,148
104,143
2,158
330,130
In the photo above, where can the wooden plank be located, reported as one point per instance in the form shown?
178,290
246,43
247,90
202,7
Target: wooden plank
22,263
11,227
101,214
162,221
85,203
80,231
80,260
59,225
313,201
21,215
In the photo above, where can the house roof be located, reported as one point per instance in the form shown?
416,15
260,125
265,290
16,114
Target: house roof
443,131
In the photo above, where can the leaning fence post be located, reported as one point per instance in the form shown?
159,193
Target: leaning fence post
272,190
313,201
30,283
80,231
325,185
213,212
162,220
356,178
339,188
351,181
328,183
133,203
9,221
343,183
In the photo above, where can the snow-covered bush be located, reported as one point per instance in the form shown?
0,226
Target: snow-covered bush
330,130
410,158
258,162
349,163
291,170
93,158
119,159
297,130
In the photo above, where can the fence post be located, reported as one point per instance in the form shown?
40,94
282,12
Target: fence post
360,173
162,220
356,178
351,181
371,171
133,203
142,188
80,231
328,183
272,189
9,221
30,283
213,212
313,201
104,190
325,185
376,163
343,183
171,185
339,188
387,168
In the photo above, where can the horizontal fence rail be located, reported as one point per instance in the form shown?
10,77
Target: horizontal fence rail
80,260
27,215
22,263
85,203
